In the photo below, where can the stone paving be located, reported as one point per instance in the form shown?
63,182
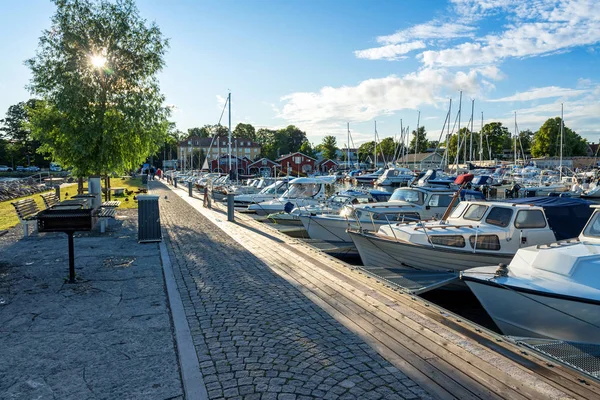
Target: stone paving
258,337
108,336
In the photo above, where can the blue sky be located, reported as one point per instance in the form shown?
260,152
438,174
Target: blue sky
319,64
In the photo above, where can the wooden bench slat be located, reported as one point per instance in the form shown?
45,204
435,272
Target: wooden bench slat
107,213
50,199
113,203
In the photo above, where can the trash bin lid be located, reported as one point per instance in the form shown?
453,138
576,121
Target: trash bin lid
143,197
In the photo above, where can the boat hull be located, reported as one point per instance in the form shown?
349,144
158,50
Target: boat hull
377,251
539,315
333,230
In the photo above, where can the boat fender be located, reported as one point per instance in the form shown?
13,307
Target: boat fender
288,207
502,270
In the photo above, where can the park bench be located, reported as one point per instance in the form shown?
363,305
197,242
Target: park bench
27,210
104,215
50,199
111,204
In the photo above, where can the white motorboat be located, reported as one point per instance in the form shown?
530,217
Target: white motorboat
369,178
550,291
302,192
406,204
332,205
475,234
271,192
395,177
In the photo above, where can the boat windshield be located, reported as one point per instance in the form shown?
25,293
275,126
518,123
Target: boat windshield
299,190
475,212
347,212
592,229
408,195
459,210
272,189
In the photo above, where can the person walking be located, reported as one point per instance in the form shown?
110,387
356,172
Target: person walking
152,172
159,173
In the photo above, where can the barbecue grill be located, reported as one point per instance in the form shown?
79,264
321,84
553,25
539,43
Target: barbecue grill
68,216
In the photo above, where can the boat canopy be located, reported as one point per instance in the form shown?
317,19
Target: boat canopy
566,216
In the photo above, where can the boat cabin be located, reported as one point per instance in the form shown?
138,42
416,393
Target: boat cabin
499,227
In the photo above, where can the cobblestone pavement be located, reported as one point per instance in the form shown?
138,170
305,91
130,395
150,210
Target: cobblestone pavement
108,336
258,337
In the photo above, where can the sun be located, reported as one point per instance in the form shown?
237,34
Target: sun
98,60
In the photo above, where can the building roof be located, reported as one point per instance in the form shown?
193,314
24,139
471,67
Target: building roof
324,161
260,162
419,157
198,141
293,154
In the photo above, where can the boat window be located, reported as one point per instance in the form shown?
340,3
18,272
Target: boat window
530,219
347,212
408,195
303,190
447,240
485,242
475,212
592,229
499,216
440,200
397,217
459,210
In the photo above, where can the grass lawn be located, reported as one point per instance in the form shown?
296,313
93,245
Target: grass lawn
8,216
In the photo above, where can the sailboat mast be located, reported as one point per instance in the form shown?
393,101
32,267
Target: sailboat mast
348,158
229,148
402,142
471,132
562,125
448,134
481,140
375,147
458,133
417,137
516,138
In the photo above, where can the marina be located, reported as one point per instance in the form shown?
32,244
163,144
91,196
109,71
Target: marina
438,346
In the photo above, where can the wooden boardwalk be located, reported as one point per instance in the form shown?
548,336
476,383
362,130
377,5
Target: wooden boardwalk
447,356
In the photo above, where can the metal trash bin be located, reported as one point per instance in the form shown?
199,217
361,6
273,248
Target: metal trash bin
144,179
148,219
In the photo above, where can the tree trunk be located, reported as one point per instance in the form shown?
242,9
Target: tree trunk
80,185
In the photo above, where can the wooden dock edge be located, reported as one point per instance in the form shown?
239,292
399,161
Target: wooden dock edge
447,355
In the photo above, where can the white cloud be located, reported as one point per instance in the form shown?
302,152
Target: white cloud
429,30
390,51
330,107
541,93
538,28
220,102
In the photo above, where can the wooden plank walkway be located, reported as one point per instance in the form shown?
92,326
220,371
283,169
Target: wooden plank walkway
444,354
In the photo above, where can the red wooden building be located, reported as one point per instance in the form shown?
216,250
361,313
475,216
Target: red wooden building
264,167
222,164
297,164
327,165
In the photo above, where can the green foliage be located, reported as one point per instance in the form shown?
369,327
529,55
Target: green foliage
277,143
366,150
547,141
386,147
104,118
421,139
21,147
329,147
307,149
245,131
496,136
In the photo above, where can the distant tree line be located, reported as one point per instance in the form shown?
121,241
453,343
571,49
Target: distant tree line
19,147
